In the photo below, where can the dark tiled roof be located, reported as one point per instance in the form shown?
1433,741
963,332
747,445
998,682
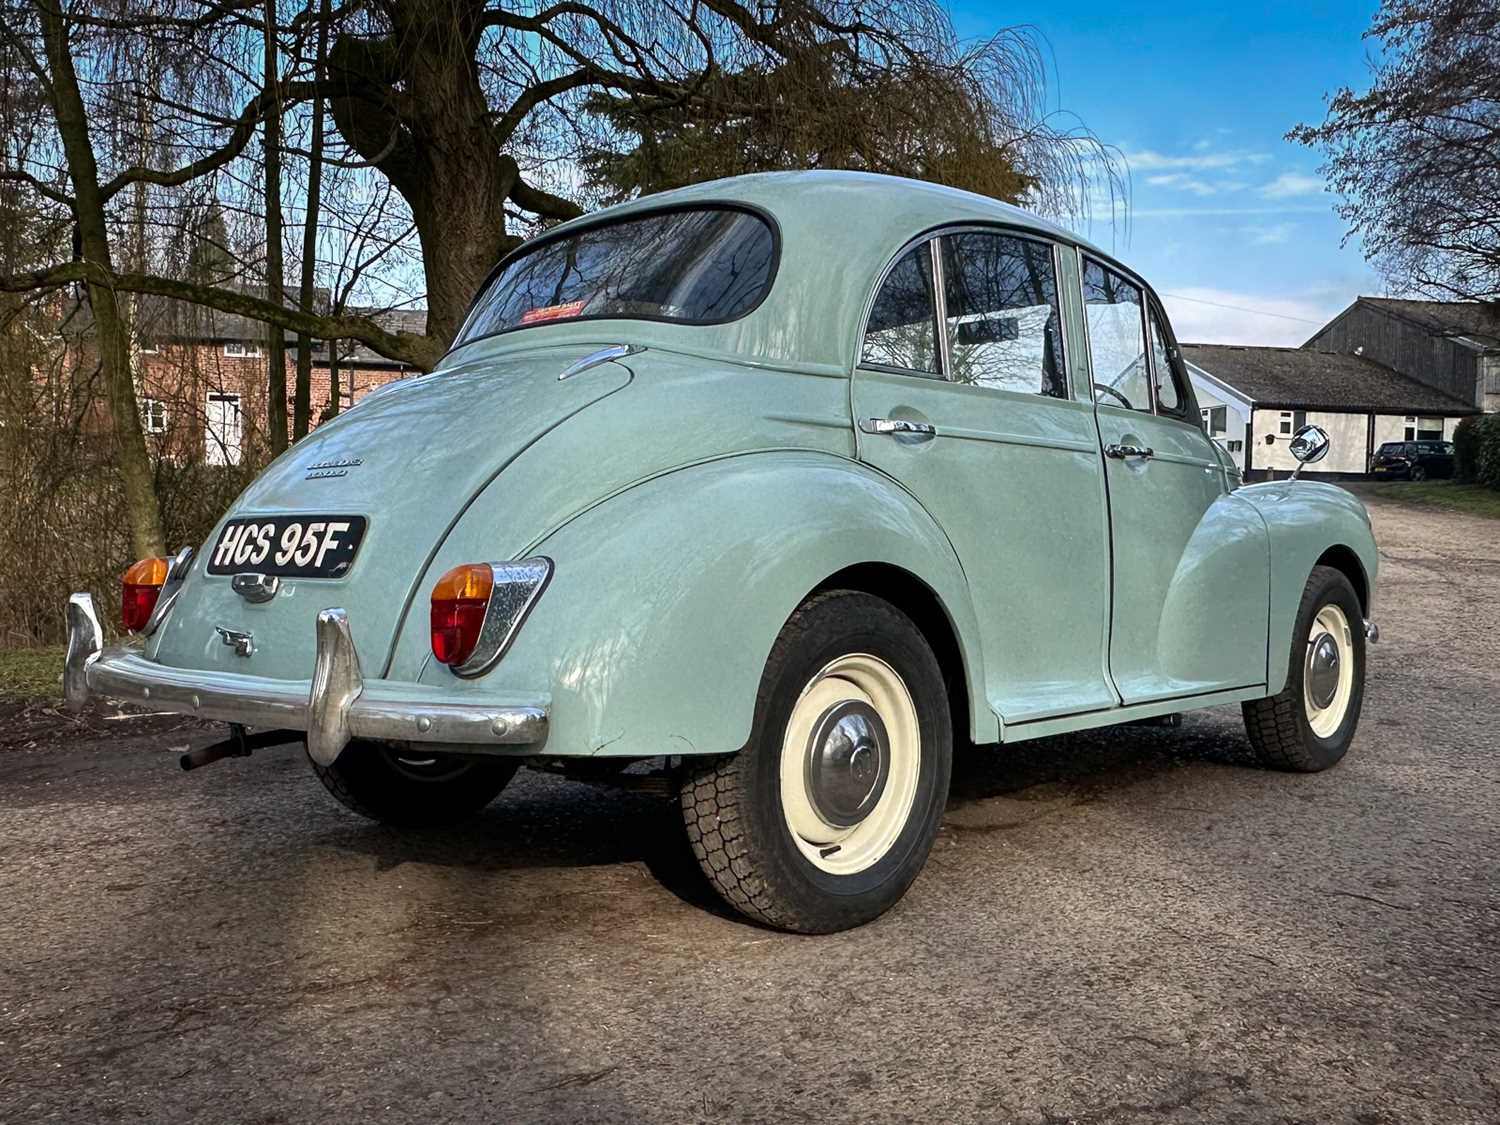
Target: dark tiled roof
1479,320
164,320
1302,379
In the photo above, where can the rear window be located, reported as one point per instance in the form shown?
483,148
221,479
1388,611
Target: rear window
700,266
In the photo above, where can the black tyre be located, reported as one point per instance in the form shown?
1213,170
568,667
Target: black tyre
1309,725
407,789
825,818
1418,472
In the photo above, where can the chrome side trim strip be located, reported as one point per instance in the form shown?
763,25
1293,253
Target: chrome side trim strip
594,359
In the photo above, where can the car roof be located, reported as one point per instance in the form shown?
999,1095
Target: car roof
838,231
879,201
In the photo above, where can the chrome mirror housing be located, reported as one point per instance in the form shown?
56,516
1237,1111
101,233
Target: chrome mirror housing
1309,444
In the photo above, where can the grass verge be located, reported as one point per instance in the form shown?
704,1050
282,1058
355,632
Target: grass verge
1475,499
29,674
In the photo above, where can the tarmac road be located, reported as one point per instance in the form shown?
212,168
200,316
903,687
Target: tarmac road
1128,926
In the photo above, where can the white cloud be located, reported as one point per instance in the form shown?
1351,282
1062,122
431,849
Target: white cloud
1291,184
1181,181
1269,234
1203,315
1148,160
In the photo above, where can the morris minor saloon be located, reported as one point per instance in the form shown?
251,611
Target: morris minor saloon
789,483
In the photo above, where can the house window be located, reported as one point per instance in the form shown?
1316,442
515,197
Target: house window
1424,429
238,349
153,416
1236,446
149,347
1215,420
1285,425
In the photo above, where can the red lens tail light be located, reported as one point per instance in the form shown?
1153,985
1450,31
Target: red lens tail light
459,602
142,586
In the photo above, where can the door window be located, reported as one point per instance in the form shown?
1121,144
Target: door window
1001,313
902,332
1117,347
1169,396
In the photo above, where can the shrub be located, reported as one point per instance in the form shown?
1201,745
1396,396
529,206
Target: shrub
1466,450
1487,450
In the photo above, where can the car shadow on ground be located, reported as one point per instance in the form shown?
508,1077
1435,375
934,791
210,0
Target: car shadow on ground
543,821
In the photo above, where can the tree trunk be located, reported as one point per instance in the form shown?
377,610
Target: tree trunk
141,509
302,404
276,337
440,152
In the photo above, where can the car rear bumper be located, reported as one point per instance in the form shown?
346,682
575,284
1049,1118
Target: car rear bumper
338,704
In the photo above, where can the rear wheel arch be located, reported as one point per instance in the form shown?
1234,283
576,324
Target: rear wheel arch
915,598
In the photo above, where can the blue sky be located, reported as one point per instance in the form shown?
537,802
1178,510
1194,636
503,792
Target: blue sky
1224,212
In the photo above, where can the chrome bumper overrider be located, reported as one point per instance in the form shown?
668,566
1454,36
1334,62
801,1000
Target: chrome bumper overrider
336,705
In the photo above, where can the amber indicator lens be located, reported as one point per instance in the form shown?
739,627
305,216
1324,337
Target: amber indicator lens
459,602
142,586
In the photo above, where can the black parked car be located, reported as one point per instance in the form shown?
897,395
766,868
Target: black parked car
1413,460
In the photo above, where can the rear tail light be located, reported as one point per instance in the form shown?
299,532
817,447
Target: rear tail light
478,607
142,586
459,602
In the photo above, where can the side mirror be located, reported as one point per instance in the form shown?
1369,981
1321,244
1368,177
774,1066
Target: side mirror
1309,444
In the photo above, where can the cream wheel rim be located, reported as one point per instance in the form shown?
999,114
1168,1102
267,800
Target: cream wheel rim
850,761
1328,671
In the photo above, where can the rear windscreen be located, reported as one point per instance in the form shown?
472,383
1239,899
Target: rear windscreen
702,266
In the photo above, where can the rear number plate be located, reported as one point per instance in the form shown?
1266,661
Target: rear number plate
289,546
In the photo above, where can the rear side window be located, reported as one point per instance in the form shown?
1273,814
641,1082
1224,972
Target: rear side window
1117,348
1001,313
702,266
902,332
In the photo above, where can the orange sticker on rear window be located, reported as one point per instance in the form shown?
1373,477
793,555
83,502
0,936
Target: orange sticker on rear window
552,312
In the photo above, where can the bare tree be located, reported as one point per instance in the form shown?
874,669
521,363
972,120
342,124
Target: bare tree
1417,156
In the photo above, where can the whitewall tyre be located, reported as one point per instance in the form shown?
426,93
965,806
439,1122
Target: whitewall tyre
1309,725
825,818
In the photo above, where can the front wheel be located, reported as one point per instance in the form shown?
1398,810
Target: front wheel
404,788
1308,726
1418,473
825,818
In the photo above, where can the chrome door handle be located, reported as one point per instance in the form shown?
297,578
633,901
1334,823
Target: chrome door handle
897,426
1122,451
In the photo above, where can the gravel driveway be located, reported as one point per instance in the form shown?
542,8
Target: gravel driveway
1125,926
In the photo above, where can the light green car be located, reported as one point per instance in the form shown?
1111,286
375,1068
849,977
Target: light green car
787,483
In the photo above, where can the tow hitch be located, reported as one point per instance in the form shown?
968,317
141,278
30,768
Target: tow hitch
239,744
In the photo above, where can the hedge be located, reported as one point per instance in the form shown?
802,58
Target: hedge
1476,450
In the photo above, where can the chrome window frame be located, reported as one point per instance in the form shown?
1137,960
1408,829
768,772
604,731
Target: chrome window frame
890,368
1083,304
933,238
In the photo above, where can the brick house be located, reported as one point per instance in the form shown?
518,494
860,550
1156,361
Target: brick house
201,375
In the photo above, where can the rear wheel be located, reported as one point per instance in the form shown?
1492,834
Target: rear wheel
1308,726
826,817
409,789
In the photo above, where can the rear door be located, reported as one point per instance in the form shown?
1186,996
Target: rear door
962,396
1191,565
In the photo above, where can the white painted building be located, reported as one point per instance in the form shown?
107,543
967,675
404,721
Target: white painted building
1254,399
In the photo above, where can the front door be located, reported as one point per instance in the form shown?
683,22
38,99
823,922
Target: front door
961,395
1191,560
223,429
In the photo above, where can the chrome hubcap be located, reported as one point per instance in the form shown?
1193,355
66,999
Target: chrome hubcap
1323,670
848,761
